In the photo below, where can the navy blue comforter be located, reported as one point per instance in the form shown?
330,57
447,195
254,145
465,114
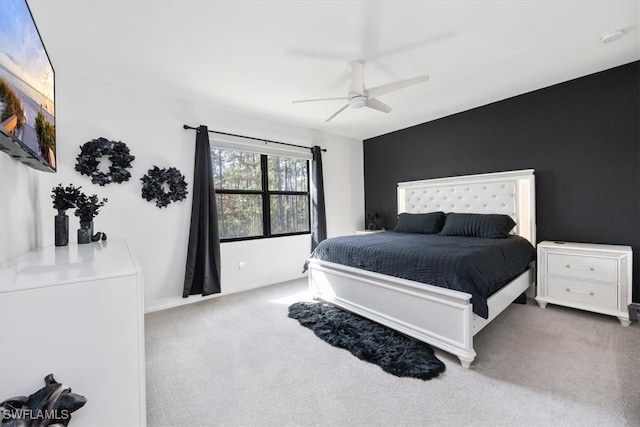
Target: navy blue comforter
474,265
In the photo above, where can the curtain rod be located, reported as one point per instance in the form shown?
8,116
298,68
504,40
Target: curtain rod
256,139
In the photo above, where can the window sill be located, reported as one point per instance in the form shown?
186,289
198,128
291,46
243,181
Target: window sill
243,239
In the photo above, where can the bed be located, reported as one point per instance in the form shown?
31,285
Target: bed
439,316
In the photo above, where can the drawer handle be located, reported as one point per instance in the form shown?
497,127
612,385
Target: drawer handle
580,268
578,292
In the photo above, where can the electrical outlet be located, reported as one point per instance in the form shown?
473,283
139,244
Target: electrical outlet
240,265
634,311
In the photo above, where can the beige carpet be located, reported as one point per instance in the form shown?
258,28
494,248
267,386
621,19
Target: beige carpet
239,360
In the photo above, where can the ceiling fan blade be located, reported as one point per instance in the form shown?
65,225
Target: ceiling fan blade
390,87
336,113
319,99
357,77
378,105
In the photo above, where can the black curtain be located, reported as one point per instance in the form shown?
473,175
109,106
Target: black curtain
202,275
318,214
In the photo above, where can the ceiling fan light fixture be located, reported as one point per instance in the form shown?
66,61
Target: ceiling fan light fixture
357,101
612,36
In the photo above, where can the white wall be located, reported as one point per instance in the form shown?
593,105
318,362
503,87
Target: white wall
151,126
19,208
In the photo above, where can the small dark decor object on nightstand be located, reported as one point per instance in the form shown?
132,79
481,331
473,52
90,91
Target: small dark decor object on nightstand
634,311
153,186
63,198
86,209
89,159
372,221
52,405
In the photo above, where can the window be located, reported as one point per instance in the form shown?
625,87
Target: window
260,195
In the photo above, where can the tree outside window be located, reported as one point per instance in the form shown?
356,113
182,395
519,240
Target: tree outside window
260,195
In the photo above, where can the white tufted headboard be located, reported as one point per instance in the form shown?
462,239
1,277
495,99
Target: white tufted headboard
511,193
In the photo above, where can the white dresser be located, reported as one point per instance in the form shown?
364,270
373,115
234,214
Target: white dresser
586,276
76,311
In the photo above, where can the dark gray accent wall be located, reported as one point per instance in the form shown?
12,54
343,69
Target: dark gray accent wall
582,137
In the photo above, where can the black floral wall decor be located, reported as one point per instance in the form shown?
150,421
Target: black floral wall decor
117,152
153,186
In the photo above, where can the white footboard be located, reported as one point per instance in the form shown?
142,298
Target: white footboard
438,316
441,317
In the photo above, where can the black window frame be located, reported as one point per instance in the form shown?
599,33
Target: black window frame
266,197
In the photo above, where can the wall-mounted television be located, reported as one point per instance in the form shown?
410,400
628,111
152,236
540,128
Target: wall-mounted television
27,85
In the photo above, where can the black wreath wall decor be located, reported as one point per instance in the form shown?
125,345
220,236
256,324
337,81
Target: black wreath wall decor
117,152
153,186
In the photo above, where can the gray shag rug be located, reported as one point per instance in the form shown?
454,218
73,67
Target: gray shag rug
394,352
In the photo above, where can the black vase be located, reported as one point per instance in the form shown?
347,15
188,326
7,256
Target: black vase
85,232
61,229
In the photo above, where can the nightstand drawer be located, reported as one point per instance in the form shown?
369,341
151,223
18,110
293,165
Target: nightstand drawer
591,293
583,267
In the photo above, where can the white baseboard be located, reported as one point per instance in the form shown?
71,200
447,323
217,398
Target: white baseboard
176,302
167,303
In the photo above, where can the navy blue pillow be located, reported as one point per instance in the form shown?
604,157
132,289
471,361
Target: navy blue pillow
490,226
427,223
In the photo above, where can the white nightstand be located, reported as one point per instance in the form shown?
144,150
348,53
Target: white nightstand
368,231
586,276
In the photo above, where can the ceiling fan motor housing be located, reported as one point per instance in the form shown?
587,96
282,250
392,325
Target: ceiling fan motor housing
357,100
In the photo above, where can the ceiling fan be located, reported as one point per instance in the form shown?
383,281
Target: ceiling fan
360,97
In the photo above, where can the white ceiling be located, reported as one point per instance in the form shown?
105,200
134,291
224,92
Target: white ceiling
255,57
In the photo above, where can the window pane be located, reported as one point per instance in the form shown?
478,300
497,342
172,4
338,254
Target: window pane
287,174
235,170
239,215
289,213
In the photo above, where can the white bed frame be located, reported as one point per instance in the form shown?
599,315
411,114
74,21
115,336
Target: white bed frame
441,317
